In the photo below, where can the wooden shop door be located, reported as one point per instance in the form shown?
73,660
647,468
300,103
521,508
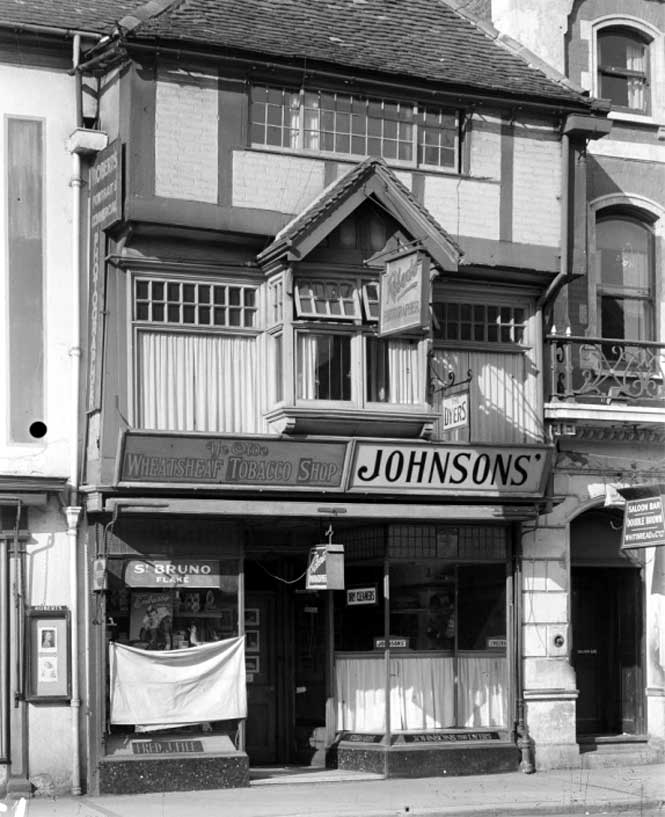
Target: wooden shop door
260,643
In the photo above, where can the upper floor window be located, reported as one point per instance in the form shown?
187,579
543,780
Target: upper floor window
195,303
479,322
341,124
623,68
625,278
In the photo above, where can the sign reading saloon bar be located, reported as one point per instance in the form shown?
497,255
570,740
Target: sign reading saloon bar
422,468
230,461
643,523
404,297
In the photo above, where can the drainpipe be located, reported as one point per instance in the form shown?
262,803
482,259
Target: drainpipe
73,512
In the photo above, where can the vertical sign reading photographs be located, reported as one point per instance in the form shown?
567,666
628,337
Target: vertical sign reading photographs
105,211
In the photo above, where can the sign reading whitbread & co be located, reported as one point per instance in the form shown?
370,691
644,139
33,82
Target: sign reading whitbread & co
404,295
643,523
446,469
172,573
230,461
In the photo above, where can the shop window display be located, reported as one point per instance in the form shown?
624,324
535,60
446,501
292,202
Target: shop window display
448,667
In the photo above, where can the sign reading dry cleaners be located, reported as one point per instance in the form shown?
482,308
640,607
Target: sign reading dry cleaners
424,468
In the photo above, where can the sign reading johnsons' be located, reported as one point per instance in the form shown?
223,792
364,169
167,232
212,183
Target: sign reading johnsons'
229,461
456,469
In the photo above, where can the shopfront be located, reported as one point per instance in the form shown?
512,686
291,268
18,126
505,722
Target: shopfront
213,650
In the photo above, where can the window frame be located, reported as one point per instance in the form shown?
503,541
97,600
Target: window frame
416,120
628,34
599,289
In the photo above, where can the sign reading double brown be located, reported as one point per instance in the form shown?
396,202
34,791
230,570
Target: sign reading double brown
643,523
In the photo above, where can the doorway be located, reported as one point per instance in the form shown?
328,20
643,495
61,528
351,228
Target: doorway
606,628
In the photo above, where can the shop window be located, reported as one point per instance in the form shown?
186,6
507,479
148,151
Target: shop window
341,124
448,620
625,277
623,68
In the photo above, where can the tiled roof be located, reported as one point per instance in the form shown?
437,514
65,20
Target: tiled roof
331,197
419,39
95,16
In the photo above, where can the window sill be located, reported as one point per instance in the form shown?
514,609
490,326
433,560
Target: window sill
402,422
634,118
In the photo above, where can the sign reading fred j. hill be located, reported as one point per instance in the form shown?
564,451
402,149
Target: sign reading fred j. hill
643,523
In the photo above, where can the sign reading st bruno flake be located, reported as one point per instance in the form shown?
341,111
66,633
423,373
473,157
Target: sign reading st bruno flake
229,461
449,470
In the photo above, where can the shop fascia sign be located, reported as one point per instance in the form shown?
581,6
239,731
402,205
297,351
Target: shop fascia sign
643,523
355,466
404,294
172,573
449,470
230,462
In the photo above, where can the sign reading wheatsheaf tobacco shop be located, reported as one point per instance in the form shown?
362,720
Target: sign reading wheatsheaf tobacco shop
643,523
230,461
404,295
458,470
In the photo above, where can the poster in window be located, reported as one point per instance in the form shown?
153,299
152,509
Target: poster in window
151,620
252,640
48,651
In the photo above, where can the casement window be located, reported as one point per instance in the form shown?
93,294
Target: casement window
196,359
479,322
339,358
623,68
624,278
345,125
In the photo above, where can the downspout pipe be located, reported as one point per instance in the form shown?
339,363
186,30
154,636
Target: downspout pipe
73,511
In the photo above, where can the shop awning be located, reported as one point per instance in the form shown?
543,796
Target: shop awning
261,507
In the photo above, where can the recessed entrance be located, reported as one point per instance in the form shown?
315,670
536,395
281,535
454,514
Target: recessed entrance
607,627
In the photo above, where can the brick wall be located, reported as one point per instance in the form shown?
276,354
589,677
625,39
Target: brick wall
186,139
273,181
464,206
536,186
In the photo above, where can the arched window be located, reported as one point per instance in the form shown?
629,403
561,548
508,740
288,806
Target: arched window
623,68
625,277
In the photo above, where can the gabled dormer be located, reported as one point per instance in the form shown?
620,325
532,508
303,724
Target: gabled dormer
335,374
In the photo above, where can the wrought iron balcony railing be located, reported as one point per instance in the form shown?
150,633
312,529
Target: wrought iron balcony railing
605,370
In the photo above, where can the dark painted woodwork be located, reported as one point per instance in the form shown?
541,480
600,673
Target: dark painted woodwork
262,701
507,177
232,133
140,157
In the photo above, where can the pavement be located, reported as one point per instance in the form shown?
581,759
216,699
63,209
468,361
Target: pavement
634,790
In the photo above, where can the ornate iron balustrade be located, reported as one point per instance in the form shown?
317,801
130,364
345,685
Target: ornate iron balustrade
603,370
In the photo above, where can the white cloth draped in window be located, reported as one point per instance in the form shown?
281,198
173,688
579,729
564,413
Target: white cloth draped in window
404,372
422,692
483,688
189,382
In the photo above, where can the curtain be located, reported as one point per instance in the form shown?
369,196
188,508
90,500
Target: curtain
421,693
404,372
308,356
198,382
635,54
483,689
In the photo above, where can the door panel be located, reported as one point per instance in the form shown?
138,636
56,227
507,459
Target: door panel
261,730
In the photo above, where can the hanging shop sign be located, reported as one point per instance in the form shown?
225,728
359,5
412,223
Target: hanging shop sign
449,470
106,188
404,294
455,410
643,523
229,461
361,596
325,568
172,573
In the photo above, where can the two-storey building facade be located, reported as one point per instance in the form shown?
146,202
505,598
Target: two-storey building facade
316,313
604,402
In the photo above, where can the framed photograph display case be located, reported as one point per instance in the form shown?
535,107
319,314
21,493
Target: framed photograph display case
49,653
